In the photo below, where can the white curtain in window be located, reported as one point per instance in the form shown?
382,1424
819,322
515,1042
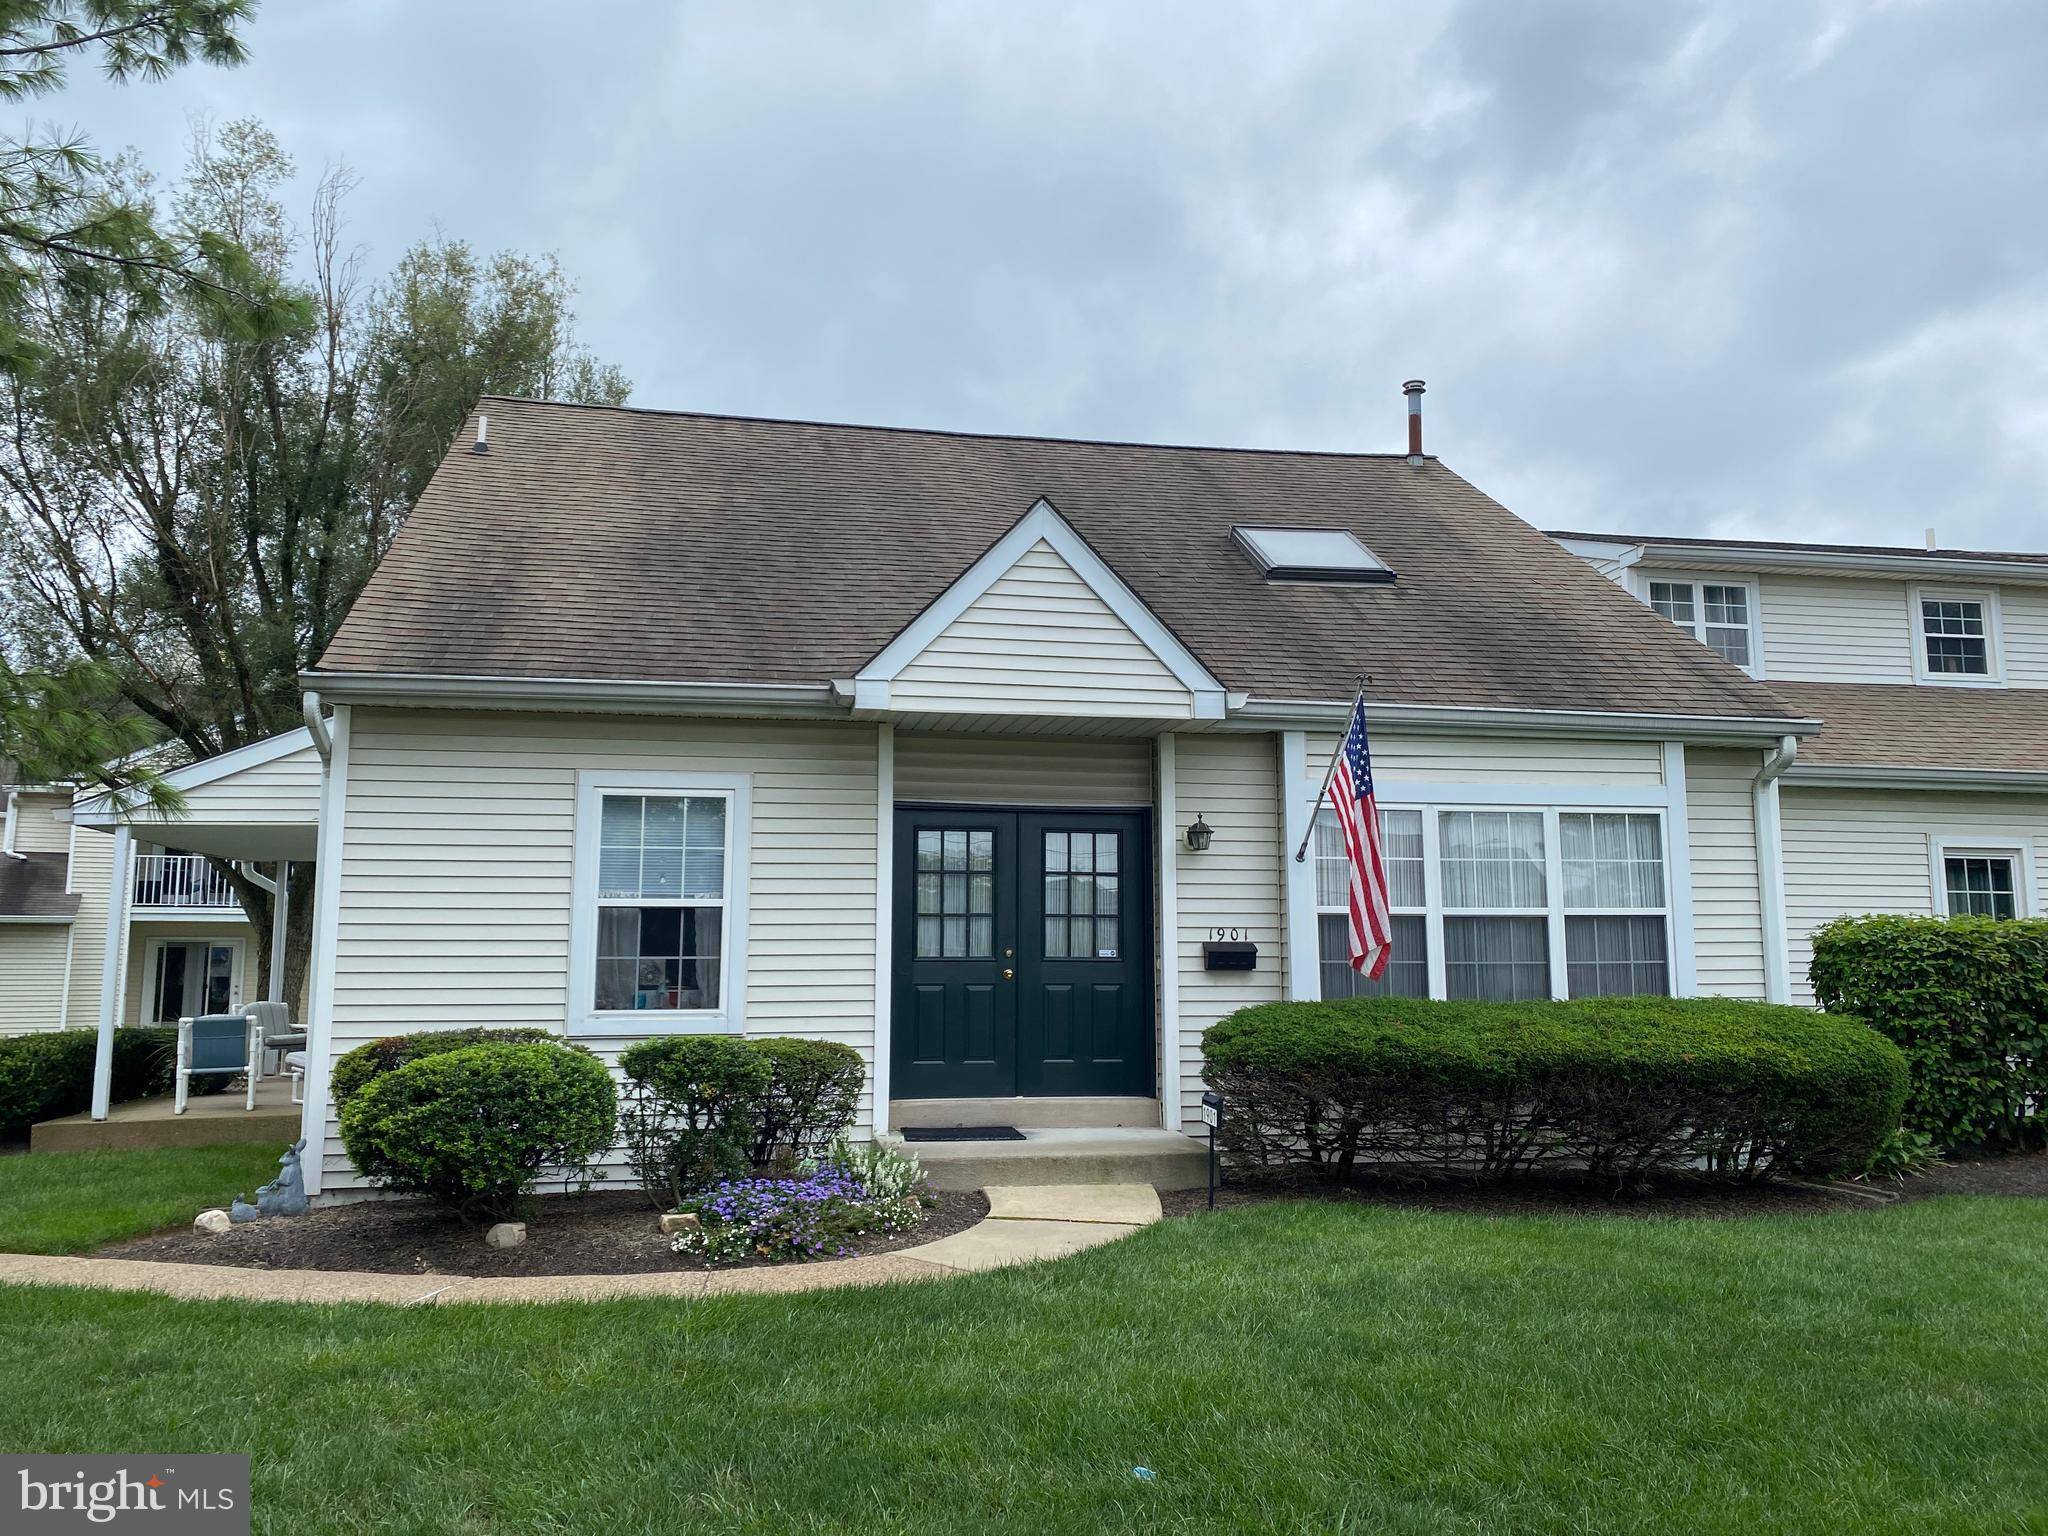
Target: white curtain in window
1611,860
1400,850
1493,859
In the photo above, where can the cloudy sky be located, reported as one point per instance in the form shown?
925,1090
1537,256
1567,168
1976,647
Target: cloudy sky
1771,269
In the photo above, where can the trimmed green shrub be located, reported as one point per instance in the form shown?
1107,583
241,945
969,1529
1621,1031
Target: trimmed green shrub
812,1095
474,1129
1616,1087
1966,998
693,1111
47,1075
360,1067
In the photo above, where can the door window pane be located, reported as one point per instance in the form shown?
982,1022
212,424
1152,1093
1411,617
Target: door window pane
1616,956
1493,859
1082,895
1980,886
1496,959
220,978
1407,972
955,893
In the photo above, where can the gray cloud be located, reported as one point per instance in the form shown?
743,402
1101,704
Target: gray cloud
1713,269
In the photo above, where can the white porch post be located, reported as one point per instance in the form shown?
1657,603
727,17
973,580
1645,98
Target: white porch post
1169,939
326,931
1298,883
113,972
885,920
280,911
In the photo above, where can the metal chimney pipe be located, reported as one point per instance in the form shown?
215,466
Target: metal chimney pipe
1413,390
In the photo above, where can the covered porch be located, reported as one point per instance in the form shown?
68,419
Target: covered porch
258,806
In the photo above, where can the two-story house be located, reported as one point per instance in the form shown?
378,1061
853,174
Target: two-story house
1927,789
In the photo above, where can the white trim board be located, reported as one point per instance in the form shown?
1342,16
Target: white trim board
1042,523
99,810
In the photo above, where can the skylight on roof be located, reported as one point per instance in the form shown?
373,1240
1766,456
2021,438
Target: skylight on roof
1312,554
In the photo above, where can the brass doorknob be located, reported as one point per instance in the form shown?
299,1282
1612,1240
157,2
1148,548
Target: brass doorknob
1008,974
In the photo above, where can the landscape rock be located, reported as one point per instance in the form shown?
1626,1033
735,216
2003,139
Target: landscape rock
506,1234
673,1223
215,1220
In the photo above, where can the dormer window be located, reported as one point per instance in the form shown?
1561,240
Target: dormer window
1954,631
1716,613
1955,636
1311,554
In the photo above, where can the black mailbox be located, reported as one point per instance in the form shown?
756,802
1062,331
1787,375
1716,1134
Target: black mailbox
1235,956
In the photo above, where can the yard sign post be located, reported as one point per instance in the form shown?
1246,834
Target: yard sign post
1212,1116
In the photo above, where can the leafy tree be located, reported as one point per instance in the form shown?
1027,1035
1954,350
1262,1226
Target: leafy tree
194,501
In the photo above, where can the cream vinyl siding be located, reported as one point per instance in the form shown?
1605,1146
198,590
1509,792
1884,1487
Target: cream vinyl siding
1022,770
36,827
32,977
1233,782
1039,640
283,792
1727,901
1832,629
1855,851
2025,614
1440,759
92,865
456,870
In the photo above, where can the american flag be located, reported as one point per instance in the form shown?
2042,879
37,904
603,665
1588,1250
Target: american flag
1358,817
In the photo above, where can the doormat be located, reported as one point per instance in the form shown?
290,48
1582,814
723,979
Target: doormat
962,1133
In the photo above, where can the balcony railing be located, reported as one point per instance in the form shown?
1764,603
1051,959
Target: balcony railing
179,880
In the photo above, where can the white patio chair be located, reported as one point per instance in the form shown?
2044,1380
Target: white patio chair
217,1045
275,1022
295,1063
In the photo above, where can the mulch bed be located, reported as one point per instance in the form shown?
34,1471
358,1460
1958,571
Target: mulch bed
604,1232
2023,1174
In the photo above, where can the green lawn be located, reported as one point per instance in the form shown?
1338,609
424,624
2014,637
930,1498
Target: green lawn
1285,1368
71,1202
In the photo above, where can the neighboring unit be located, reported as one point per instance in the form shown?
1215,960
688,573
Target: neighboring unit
1927,789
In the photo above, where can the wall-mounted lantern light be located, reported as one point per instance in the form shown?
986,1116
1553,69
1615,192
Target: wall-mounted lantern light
1199,834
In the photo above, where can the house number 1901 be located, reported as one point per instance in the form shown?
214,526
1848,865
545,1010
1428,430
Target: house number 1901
1228,935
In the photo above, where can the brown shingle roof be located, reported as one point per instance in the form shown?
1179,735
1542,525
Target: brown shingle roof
1903,725
33,886
595,542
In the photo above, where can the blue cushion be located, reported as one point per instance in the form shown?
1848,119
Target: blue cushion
220,1043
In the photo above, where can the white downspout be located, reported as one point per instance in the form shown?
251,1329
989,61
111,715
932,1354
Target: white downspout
7,836
323,743
1770,868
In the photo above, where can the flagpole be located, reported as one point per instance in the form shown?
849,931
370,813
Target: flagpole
1329,773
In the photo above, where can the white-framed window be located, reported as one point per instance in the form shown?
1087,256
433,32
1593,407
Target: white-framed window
1719,612
658,935
1617,927
1407,972
1984,877
1956,636
1510,903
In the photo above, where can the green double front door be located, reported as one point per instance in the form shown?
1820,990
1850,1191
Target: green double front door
1023,954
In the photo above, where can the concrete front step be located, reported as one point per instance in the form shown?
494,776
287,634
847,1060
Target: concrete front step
1090,1155
1041,1114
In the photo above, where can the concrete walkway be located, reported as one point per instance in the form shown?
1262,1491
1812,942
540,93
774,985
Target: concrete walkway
1025,1223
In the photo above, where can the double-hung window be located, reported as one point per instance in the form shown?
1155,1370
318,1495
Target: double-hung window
1496,905
1617,924
1954,637
1407,972
1717,614
659,902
